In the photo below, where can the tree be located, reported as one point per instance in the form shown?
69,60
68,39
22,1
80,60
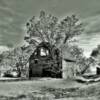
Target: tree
80,59
95,51
96,54
57,32
47,28
85,63
76,52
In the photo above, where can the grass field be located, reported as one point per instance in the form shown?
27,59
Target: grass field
71,90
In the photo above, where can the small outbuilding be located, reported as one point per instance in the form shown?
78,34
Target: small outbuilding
69,66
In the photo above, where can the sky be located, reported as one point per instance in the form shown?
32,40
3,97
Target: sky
15,13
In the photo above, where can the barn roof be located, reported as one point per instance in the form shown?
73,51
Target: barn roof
44,44
67,56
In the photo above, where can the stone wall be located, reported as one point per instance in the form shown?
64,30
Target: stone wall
69,69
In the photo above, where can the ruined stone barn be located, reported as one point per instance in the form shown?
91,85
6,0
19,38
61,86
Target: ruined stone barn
45,61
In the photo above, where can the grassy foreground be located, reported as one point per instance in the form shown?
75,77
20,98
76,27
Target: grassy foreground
60,89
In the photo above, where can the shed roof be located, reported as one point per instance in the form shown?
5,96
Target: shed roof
67,56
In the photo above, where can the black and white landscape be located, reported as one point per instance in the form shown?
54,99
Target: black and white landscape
49,50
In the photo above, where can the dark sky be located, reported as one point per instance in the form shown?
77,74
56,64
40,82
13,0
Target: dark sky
14,14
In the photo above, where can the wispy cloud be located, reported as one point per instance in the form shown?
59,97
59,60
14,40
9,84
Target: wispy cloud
92,24
91,36
14,14
10,25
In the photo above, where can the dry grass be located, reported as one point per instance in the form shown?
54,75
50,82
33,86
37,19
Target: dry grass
20,90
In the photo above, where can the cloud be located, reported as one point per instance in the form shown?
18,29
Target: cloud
91,37
10,25
14,14
3,48
92,24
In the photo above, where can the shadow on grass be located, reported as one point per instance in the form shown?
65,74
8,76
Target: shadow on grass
73,92
13,98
